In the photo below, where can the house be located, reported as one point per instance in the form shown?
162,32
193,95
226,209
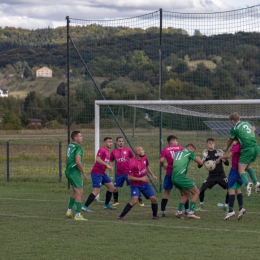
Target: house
3,92
36,121
44,72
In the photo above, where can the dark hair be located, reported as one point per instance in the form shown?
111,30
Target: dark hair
192,145
210,139
74,134
171,137
107,138
119,137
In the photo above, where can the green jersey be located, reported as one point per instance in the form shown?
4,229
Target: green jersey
181,162
73,149
244,133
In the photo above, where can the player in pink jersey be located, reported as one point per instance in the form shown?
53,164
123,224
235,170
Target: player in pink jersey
234,181
122,156
99,176
168,154
139,166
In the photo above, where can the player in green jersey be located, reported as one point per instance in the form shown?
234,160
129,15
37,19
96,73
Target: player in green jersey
244,132
74,169
184,184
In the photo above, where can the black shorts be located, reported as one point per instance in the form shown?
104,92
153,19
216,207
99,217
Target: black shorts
211,181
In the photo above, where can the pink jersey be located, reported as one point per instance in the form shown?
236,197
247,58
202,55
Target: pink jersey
168,153
122,158
236,153
98,168
138,170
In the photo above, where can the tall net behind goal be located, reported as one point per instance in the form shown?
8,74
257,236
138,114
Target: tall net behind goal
190,121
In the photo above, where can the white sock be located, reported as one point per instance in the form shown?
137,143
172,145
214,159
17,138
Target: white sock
77,214
69,210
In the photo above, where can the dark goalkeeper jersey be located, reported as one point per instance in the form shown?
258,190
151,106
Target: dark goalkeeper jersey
212,155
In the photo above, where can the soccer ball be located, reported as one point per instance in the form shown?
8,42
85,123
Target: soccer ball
210,165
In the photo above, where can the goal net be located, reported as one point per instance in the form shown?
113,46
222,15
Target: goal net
148,123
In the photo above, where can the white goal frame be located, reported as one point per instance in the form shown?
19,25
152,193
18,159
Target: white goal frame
98,103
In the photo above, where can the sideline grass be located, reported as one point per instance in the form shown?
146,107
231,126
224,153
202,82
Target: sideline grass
33,226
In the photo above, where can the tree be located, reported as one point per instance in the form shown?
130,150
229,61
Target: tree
61,89
11,121
27,71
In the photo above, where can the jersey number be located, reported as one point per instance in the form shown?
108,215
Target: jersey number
172,154
179,155
248,130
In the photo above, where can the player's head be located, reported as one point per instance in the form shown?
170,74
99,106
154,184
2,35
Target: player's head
108,142
120,141
76,137
210,143
139,151
234,118
235,141
172,139
191,147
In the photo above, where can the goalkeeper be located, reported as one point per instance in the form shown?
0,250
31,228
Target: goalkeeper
217,176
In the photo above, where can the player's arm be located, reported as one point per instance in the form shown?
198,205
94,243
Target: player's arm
162,163
100,161
80,167
225,156
226,162
199,161
151,173
132,178
229,142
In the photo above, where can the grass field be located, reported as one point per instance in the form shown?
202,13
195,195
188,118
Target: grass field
34,226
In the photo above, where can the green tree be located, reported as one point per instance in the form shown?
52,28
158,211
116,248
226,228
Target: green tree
11,121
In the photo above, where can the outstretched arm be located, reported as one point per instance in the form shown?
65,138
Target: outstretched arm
229,142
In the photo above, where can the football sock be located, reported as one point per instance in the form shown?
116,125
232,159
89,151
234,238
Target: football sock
252,175
71,203
163,204
154,209
140,199
244,178
115,195
91,197
231,202
108,197
78,206
227,198
187,204
181,205
126,210
202,195
192,206
240,200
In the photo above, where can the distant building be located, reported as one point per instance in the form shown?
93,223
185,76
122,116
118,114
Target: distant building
3,92
44,72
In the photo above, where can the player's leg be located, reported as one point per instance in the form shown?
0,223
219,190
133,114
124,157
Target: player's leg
119,182
115,196
78,203
135,193
71,199
223,182
184,197
195,195
231,192
206,185
110,188
167,185
96,184
241,211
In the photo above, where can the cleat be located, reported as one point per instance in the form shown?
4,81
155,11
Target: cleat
121,218
178,215
141,203
225,208
155,218
108,206
257,187
248,188
69,214
115,204
80,218
85,208
193,216
241,213
198,209
229,215
163,214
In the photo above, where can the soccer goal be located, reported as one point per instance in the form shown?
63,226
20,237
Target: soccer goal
149,122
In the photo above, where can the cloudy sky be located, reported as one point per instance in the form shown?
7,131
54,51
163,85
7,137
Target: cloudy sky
33,14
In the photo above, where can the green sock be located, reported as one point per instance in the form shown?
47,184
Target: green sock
78,206
244,178
71,202
181,205
192,206
252,175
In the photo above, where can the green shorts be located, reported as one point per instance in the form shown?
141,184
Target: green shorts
248,155
75,179
236,185
183,183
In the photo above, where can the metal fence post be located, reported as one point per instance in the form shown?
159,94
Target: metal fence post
7,161
60,162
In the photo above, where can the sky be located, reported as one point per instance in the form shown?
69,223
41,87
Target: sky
34,14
